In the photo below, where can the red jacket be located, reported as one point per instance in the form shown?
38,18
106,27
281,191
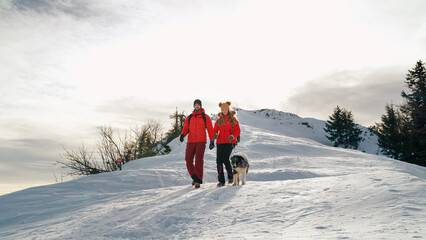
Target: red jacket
197,127
227,130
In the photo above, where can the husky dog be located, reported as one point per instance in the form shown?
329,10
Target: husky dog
240,165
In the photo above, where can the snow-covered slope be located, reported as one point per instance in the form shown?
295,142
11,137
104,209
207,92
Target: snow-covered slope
297,188
292,125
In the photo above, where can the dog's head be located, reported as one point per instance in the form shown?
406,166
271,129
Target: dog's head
237,161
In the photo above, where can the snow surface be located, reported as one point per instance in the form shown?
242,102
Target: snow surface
297,188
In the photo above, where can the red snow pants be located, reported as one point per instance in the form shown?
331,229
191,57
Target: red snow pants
195,170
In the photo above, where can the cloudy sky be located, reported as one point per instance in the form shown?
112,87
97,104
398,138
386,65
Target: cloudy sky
69,66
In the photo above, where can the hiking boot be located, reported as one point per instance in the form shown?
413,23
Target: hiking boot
197,185
220,184
193,183
231,181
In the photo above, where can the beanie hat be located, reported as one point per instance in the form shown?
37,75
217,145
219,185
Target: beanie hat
225,105
198,101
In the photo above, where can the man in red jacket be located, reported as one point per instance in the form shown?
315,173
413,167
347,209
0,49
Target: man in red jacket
196,125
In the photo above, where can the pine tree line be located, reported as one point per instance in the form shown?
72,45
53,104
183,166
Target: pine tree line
402,131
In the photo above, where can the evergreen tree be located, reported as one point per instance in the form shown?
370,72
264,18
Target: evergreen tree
179,121
177,127
393,133
415,108
342,129
334,126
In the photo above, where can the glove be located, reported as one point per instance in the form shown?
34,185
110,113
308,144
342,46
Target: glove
211,146
181,138
230,138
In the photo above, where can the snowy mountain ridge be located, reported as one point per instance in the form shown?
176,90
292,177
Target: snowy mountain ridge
297,188
292,125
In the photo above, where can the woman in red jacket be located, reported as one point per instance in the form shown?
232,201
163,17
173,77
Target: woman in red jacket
226,131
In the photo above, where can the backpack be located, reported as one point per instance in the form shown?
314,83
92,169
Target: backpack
204,118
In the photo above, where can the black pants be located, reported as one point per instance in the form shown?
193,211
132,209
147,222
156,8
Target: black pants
223,154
